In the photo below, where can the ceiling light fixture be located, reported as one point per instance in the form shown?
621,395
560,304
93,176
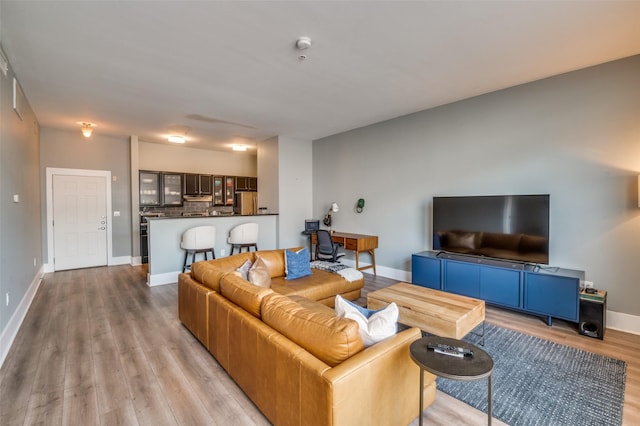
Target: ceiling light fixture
86,128
241,148
178,133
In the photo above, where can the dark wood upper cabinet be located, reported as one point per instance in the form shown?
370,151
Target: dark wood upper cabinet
246,183
195,184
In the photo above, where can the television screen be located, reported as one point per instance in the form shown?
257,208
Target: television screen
514,227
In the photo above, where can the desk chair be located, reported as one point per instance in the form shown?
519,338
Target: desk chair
200,239
245,235
326,249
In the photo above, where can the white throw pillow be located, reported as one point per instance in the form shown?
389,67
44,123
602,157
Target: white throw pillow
243,270
374,326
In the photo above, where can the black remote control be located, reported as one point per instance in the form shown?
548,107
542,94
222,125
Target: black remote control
450,350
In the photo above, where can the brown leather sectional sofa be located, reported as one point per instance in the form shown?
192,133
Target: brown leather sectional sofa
285,347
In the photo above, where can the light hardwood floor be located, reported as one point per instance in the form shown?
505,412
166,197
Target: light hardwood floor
100,347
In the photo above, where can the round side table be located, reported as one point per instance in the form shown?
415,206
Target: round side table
478,366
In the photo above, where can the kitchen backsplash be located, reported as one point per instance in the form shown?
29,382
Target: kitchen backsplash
190,208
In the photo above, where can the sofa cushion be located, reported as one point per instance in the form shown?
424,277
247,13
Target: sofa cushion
209,272
297,264
319,331
317,286
259,273
374,326
243,293
274,259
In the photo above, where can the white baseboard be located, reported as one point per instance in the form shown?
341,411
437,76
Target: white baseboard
120,260
383,271
162,279
11,330
136,261
623,322
112,261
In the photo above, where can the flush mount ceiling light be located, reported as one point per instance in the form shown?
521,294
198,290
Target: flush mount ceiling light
178,133
86,128
241,148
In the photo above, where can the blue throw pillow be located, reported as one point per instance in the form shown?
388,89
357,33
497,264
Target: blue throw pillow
298,265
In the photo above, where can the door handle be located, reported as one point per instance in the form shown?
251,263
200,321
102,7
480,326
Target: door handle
102,228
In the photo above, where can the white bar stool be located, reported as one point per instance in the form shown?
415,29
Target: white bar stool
200,239
245,235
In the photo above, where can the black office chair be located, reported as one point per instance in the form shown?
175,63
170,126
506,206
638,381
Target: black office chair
326,249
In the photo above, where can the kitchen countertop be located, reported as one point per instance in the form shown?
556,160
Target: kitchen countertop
207,217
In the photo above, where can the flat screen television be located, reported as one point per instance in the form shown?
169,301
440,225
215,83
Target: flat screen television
512,227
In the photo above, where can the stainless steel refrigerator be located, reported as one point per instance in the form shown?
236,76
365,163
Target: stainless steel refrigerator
246,203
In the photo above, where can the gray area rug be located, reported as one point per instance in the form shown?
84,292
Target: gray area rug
538,382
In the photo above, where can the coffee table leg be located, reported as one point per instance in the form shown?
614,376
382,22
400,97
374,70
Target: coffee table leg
421,396
489,399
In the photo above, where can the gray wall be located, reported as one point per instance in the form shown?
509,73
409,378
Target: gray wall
20,233
574,136
71,150
294,189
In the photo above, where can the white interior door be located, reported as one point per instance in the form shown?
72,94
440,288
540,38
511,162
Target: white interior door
79,221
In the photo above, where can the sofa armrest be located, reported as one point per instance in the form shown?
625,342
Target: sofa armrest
380,384
193,307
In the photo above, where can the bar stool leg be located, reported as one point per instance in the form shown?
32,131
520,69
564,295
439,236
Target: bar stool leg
186,256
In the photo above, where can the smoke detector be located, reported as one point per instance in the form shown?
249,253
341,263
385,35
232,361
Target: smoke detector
303,43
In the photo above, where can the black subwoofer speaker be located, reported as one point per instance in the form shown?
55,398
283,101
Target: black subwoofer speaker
593,316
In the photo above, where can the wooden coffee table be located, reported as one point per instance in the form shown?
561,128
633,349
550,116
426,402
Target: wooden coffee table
436,312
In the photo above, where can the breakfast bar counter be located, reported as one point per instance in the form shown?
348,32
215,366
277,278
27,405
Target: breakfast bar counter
166,257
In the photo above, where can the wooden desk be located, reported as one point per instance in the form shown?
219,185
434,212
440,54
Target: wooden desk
358,243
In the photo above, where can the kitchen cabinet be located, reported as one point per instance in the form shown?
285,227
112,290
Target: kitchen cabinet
229,190
246,183
160,189
149,186
195,184
218,190
172,189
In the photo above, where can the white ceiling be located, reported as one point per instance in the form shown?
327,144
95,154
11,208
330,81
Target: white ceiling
230,70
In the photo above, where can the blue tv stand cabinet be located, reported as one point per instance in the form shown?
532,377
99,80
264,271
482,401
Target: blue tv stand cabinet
547,292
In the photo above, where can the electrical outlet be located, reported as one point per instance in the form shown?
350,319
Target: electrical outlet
223,252
588,284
